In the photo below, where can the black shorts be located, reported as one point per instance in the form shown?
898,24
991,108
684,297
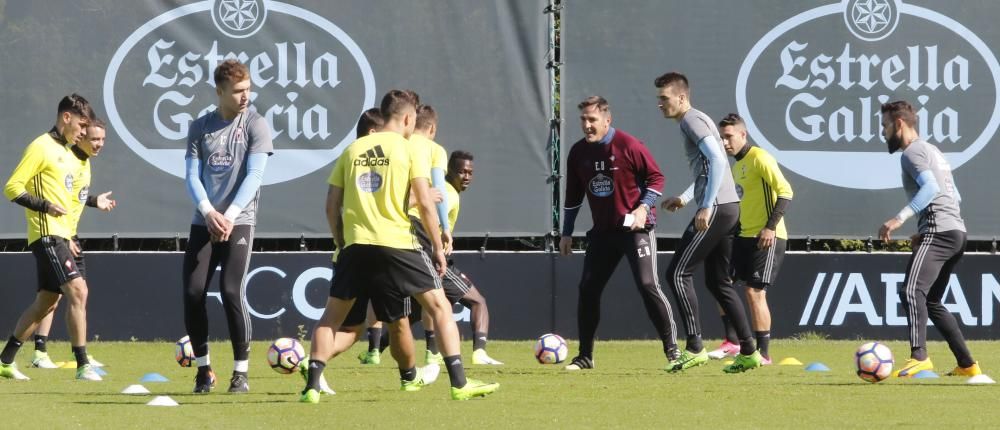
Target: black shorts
54,263
456,284
388,276
757,267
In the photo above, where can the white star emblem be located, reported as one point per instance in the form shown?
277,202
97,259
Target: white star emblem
871,16
239,14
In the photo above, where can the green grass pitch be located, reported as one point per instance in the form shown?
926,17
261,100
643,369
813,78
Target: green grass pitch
628,389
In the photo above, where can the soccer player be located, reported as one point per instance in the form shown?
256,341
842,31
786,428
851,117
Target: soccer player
938,245
43,183
88,147
709,236
759,248
226,156
366,209
621,181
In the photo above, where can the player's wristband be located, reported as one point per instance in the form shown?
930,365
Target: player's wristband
92,201
905,214
205,207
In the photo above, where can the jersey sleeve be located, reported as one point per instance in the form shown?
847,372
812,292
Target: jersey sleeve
771,173
915,161
574,190
439,158
420,161
696,128
259,135
647,169
32,162
194,141
454,206
337,174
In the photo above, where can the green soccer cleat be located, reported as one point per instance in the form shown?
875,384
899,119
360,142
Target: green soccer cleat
41,360
324,387
430,357
688,360
88,372
370,357
10,371
742,363
309,396
415,385
473,388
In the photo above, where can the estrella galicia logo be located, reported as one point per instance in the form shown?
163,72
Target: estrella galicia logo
84,193
310,81
739,191
812,98
601,185
68,181
369,182
220,161
372,158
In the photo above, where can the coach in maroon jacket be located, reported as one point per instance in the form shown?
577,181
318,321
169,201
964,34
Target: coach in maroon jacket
622,182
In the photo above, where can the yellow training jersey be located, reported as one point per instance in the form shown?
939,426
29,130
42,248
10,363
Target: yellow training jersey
81,190
46,171
375,173
759,183
438,159
453,205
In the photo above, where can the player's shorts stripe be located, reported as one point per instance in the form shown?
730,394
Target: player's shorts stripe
659,290
458,281
911,285
430,269
243,288
682,265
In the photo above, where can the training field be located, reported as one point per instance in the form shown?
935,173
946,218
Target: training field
627,390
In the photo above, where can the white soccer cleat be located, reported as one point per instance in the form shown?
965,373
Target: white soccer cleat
10,371
325,387
94,361
41,360
88,373
430,373
480,356
726,349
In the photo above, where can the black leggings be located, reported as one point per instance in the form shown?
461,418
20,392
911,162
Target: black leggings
201,259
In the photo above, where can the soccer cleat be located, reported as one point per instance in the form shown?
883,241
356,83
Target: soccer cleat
415,385
10,371
430,373
972,370
726,349
41,360
766,361
94,361
580,362
309,396
370,357
742,363
88,372
304,372
480,356
688,360
473,388
430,357
912,367
239,383
204,384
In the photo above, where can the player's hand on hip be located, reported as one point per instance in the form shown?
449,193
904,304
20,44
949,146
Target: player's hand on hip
765,239
55,210
701,219
566,246
440,263
672,204
639,222
74,247
105,202
447,242
885,231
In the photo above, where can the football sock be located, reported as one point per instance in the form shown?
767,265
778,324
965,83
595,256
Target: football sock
374,338
431,341
746,346
694,343
763,339
10,350
729,330
40,345
241,366
918,353
384,342
408,374
80,352
455,370
479,341
315,373
202,361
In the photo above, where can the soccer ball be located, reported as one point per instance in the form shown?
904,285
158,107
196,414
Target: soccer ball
285,354
874,362
551,349
183,352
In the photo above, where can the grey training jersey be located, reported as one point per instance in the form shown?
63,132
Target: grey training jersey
696,126
223,148
942,214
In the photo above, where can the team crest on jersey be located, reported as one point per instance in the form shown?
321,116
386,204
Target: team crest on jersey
239,136
84,193
602,185
739,190
370,182
69,182
220,161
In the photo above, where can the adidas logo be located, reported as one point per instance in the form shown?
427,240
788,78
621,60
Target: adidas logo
373,157
643,242
243,241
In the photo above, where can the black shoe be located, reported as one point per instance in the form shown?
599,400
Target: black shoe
580,362
204,382
239,383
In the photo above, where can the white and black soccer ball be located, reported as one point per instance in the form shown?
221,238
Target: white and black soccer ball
551,349
183,352
285,354
874,362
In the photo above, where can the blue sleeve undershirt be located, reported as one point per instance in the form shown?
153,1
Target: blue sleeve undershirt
256,163
437,179
928,189
193,178
716,163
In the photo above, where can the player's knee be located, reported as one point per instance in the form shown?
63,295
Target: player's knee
75,291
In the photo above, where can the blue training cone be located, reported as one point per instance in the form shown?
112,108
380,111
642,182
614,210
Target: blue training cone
925,374
817,367
153,377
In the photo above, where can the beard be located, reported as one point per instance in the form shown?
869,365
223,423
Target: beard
893,143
